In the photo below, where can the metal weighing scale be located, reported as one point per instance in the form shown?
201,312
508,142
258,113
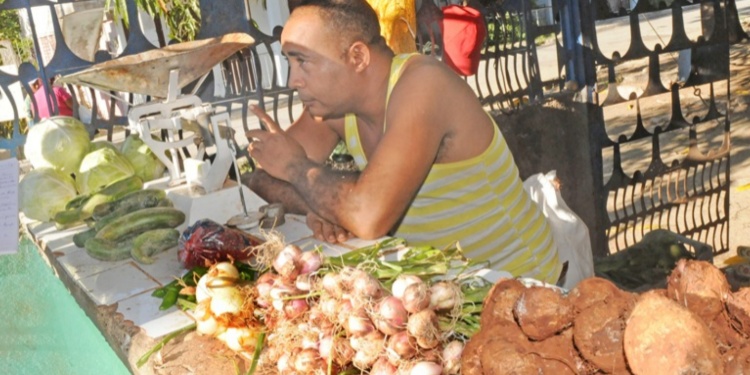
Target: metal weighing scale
202,190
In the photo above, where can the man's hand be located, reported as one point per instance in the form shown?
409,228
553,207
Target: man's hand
325,231
274,150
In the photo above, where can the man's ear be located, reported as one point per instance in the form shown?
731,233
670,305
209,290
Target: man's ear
359,55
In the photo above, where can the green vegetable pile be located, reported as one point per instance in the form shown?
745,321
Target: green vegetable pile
125,222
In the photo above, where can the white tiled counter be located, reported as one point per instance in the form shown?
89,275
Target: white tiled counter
117,297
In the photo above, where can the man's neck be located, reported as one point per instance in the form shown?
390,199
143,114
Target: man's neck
371,111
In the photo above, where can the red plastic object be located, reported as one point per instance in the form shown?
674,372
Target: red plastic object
463,34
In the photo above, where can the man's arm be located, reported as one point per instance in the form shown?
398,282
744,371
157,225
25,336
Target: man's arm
318,141
370,204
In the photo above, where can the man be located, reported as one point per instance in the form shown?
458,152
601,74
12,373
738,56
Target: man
434,168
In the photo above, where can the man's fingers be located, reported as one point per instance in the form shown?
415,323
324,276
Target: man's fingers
270,124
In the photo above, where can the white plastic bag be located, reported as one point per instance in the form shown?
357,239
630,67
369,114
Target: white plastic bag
568,230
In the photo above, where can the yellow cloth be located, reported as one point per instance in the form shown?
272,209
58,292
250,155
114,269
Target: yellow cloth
479,202
398,23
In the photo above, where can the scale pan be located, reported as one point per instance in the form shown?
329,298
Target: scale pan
148,72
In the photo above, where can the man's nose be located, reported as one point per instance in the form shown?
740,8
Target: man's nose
295,82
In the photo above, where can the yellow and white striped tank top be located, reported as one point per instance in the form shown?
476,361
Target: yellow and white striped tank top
479,202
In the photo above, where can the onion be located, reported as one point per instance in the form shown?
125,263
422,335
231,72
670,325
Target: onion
401,346
328,306
444,295
365,286
238,338
309,262
278,294
452,357
390,316
402,282
359,323
426,368
222,274
416,297
295,308
283,364
424,327
383,367
340,348
343,310
226,300
205,323
332,284
201,290
285,262
303,282
307,361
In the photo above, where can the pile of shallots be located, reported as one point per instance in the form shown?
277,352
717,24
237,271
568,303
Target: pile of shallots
320,319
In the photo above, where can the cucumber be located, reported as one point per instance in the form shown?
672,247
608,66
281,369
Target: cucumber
111,192
140,221
67,217
130,202
77,202
107,250
103,222
79,239
152,242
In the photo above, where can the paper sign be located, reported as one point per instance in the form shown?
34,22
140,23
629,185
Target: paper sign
9,206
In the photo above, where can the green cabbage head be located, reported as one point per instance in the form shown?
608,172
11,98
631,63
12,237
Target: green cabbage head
147,166
100,168
58,142
43,192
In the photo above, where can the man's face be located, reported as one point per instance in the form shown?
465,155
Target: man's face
319,70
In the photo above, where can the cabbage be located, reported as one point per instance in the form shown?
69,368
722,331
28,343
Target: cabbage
147,165
43,192
101,144
100,168
58,142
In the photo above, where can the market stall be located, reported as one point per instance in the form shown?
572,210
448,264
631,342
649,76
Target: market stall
185,270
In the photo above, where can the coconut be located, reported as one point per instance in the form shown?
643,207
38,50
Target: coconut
663,337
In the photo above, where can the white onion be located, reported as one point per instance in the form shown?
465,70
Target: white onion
444,295
226,300
401,346
295,308
222,274
238,338
283,364
303,282
364,285
390,316
201,290
307,361
452,357
383,367
426,368
401,283
359,323
332,284
416,297
285,263
205,323
424,327
309,262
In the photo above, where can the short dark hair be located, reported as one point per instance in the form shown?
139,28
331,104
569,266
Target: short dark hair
354,20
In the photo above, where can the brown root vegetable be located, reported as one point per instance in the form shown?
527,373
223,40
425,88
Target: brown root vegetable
598,333
738,305
592,291
501,356
699,286
737,361
498,305
542,312
471,360
724,333
558,354
663,337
